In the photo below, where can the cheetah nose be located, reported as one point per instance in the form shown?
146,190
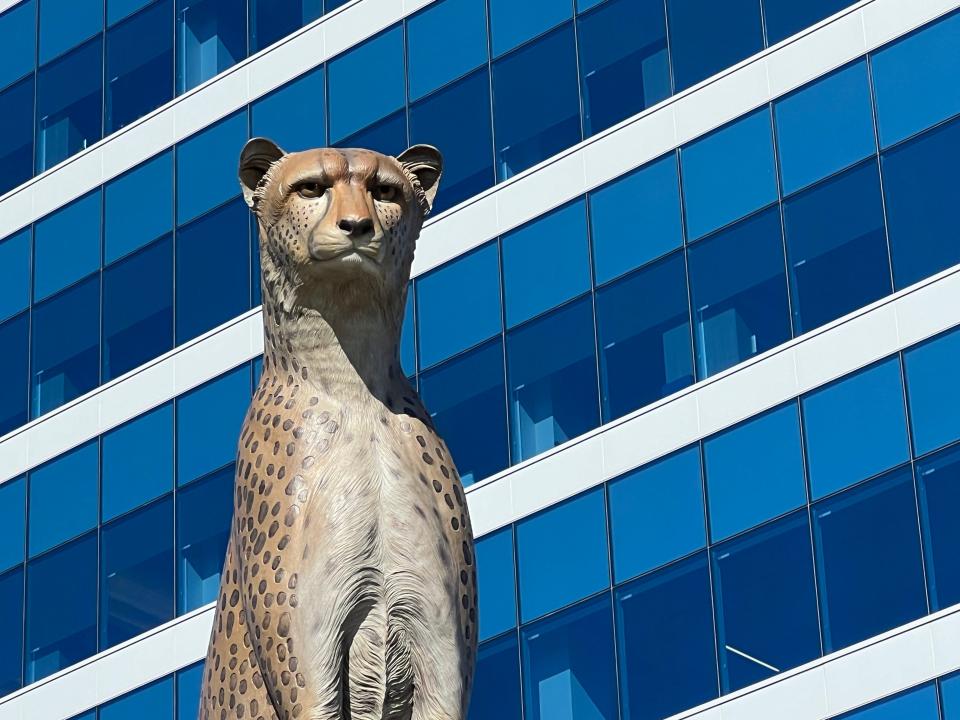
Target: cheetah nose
356,226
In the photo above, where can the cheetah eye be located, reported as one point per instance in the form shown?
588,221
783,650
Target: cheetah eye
385,193
310,189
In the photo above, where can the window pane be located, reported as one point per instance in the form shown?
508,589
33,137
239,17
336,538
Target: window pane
729,173
61,633
206,167
855,428
65,23
12,522
668,661
656,514
153,702
64,497
788,17
131,223
293,115
552,374
496,683
119,9
754,472
16,124
18,27
623,61
14,339
67,245
868,560
444,42
408,333
381,57
950,694
739,293
534,119
513,23
11,624
933,390
825,127
938,478
562,554
388,136
557,241
644,329
137,462
919,704
66,346
272,20
212,36
495,580
568,665
653,195
467,401
69,102
189,681
15,259
204,511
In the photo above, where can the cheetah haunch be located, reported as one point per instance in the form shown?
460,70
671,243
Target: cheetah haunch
349,589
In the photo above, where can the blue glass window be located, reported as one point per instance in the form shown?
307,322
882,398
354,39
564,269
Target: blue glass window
61,633
211,36
739,293
69,103
855,428
64,497
668,661
496,683
119,9
139,65
66,23
67,245
18,27
274,19
213,270
496,583
383,57
918,704
206,167
913,80
706,37
152,702
204,511
11,624
137,462
933,390
138,309
917,181
622,45
653,195
15,259
568,665
744,149
16,125
512,23
467,401
208,424
938,479
552,375
656,514
14,339
814,143
408,333
189,681
444,42
534,119
868,560
293,116
950,696
12,522
66,346
457,120
561,236
129,222
388,136
788,17
644,331
766,602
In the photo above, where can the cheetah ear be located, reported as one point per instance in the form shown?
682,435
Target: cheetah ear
255,159
425,163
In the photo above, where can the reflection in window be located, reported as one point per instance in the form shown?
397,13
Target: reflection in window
496,584
15,340
63,497
16,124
496,683
11,625
938,482
211,36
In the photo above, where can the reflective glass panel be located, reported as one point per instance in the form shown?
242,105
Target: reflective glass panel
496,682
15,260
938,481
67,245
18,27
211,36
950,696
16,125
496,583
64,497
14,339
130,223
933,391
11,624
119,9
444,42
12,522
514,23
66,23
207,166
293,116
189,681
918,704
204,510
271,20
389,136
787,17
152,702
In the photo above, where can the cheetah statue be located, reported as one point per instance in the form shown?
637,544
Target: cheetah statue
349,589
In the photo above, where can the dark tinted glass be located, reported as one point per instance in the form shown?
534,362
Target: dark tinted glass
65,23
293,116
15,254
14,338
16,124
514,23
119,9
67,245
496,583
129,222
18,27
204,510
496,683
445,41
786,17
63,497
933,390
211,36
388,136
11,624
189,681
271,20
12,522
152,702
206,166
917,704
938,480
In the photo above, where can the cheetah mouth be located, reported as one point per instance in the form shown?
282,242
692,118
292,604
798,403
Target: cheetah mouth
347,253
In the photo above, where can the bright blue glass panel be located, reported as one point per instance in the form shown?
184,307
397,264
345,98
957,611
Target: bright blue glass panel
15,341
706,37
814,143
513,23
917,181
766,602
561,236
457,120
568,665
855,428
11,624
744,149
644,331
381,57
656,514
15,260
16,126
64,497
189,681
622,45
869,561
208,424
152,702
293,116
938,480
444,42
787,17
496,683
207,166
573,533
914,80
739,293
211,36
65,23
213,270
653,195
408,333
130,222
496,583
138,308
66,345
918,704
67,245
552,376
534,119
933,390
18,28
69,103
61,633
754,472
950,696
12,522
388,136
119,9
668,661
204,510
467,401
271,20
137,462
